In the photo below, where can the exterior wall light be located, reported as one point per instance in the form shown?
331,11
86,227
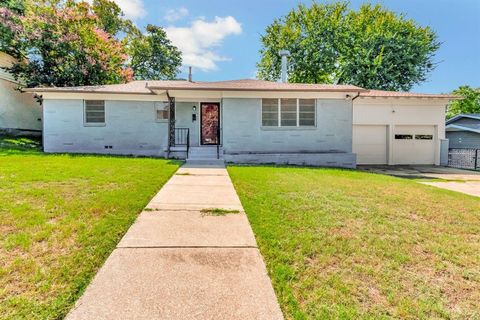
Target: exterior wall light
194,115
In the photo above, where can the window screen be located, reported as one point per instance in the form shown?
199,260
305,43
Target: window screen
270,112
95,111
162,110
293,112
288,114
306,112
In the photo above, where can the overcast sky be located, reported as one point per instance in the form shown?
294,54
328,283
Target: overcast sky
220,39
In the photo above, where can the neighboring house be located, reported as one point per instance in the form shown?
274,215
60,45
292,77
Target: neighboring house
19,112
463,131
253,121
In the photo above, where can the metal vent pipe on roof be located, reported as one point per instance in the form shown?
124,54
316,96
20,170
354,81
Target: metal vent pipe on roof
190,74
284,54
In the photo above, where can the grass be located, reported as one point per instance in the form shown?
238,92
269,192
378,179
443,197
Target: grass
61,216
341,244
217,211
19,145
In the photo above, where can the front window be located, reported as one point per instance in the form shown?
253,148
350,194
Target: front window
161,110
306,110
270,112
288,112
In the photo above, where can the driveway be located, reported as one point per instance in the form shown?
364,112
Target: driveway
464,181
176,262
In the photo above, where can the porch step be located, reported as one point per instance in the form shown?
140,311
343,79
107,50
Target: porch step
204,153
206,162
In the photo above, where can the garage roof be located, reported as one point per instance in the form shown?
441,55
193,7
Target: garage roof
400,94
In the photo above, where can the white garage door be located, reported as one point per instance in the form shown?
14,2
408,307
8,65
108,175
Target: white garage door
370,144
414,145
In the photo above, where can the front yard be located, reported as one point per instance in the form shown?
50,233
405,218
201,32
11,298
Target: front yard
337,243
348,244
61,216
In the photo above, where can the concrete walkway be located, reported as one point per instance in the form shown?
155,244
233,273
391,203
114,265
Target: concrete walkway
468,187
177,263
458,180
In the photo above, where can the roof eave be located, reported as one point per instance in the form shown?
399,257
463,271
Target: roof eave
412,97
255,89
459,116
46,90
454,126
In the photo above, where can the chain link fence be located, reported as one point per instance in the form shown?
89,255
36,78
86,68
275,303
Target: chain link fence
464,158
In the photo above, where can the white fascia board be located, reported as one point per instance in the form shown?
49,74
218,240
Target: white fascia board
193,95
403,100
101,96
213,94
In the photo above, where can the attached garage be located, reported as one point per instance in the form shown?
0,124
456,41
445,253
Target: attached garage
370,144
414,145
398,128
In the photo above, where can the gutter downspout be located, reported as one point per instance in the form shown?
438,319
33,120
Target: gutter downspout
358,95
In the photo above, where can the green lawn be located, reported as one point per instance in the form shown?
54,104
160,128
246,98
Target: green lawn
61,216
354,245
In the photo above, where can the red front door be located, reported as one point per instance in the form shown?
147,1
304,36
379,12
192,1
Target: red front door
210,123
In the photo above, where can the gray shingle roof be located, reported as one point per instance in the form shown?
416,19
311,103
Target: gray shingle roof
143,87
400,94
146,87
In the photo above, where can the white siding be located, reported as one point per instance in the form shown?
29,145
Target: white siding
130,128
397,112
5,61
18,110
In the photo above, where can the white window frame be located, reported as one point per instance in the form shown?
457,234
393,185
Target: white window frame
279,108
314,113
155,111
94,124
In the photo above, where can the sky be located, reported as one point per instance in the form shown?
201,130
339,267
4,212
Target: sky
221,39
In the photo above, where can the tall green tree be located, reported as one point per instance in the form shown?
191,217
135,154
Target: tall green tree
110,16
469,101
330,43
153,57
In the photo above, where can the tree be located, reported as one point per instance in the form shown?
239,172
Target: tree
62,45
9,25
470,102
72,43
153,57
330,43
110,16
